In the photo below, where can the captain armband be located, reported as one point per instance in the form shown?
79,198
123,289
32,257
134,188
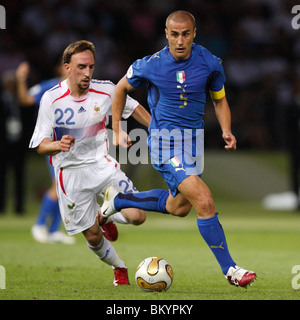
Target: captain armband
216,95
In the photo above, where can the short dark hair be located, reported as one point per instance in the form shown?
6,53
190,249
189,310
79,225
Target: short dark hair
76,47
181,16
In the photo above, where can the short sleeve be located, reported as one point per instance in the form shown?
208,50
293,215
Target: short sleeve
44,124
136,73
217,75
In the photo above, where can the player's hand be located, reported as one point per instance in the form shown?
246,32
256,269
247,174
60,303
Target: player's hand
122,139
230,140
22,71
66,142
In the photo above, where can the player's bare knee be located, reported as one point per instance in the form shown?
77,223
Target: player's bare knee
93,236
138,217
183,211
94,240
205,207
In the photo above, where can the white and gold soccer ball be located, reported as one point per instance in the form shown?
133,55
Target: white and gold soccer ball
154,274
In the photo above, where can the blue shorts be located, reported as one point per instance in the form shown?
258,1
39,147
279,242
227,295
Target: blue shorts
177,154
174,175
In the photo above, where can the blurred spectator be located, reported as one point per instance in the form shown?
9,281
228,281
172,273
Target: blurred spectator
292,129
12,143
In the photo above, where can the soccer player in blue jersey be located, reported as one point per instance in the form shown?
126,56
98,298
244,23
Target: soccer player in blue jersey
178,78
49,210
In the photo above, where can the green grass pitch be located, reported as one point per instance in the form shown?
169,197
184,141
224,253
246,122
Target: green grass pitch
267,242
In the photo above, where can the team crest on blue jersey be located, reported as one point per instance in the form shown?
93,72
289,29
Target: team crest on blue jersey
180,75
156,55
129,72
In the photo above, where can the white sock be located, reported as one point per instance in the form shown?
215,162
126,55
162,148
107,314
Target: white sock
107,253
119,218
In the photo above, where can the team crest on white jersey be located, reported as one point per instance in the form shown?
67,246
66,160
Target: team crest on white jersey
180,75
97,114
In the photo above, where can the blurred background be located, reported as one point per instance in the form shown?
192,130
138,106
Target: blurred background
261,57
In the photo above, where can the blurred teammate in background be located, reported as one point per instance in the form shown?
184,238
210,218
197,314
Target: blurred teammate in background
12,143
178,78
290,200
292,124
48,222
71,129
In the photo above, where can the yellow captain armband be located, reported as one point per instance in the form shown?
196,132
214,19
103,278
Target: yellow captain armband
216,95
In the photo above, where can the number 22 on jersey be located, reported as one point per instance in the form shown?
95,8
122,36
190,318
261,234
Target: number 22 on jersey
64,117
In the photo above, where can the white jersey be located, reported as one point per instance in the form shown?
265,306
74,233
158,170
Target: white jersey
84,118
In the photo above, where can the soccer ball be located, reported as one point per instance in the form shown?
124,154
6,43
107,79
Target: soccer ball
154,274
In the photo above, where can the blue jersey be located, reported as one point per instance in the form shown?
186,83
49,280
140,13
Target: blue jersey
38,90
177,93
177,89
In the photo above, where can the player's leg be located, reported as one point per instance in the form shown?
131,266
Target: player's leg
104,250
54,232
152,200
55,213
133,216
126,216
76,190
199,195
102,247
49,210
178,206
196,192
157,200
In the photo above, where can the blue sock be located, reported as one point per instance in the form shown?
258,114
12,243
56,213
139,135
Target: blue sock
213,234
152,200
47,207
56,219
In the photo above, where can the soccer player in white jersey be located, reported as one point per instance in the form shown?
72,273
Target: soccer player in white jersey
71,129
46,227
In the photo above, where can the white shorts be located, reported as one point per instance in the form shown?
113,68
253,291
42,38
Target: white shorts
78,189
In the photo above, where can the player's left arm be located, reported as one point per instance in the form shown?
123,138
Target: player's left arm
223,114
119,101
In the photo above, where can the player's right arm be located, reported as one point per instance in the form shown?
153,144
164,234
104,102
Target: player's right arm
50,148
118,104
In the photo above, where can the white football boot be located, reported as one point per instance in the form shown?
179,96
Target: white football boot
108,207
240,277
60,237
